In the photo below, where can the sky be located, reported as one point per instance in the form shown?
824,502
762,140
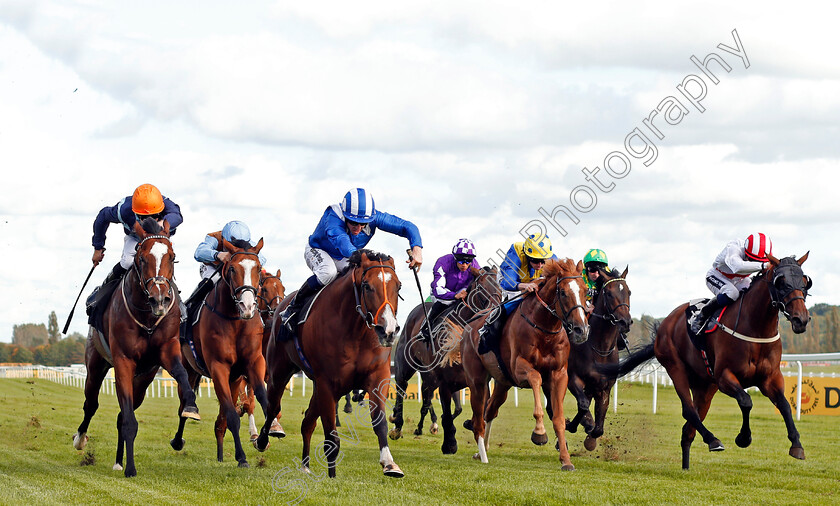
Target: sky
485,120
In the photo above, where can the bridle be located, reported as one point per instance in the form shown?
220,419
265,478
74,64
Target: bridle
145,284
780,301
235,293
268,312
610,315
567,325
361,301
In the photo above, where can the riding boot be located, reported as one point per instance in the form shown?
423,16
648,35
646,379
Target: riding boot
112,278
435,311
488,334
310,287
699,322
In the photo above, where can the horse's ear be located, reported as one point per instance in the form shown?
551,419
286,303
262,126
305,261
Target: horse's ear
278,273
166,228
138,229
624,274
579,266
804,257
227,245
259,246
773,260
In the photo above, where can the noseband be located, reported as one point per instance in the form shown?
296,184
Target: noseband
236,293
610,316
361,302
154,280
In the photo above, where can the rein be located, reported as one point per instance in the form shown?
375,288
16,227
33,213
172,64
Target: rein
361,303
148,330
566,325
610,316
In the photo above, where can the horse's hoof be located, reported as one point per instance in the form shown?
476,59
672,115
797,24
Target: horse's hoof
434,429
716,446
276,430
395,434
254,442
539,439
449,447
244,463
177,444
117,467
191,412
393,471
392,419
797,452
468,424
79,442
418,431
571,428
590,443
567,467
743,441
261,444
130,473
476,456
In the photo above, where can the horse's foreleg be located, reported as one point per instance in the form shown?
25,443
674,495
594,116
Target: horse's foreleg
456,398
523,369
403,374
602,402
576,387
97,368
729,384
774,389
177,442
559,382
227,410
124,374
256,392
450,444
348,407
491,411
170,358
378,415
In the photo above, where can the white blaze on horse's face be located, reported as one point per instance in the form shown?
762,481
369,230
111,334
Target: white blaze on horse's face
158,250
385,277
390,320
576,292
248,303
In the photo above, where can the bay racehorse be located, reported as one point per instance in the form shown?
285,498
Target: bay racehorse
743,351
439,361
609,319
140,334
228,342
344,344
534,347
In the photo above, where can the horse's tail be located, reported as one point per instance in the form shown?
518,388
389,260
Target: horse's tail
638,355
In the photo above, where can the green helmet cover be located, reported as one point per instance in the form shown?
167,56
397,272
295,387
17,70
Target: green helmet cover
596,255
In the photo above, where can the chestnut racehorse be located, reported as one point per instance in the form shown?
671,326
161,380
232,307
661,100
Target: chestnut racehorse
344,344
140,329
610,317
534,347
228,339
270,294
743,351
432,360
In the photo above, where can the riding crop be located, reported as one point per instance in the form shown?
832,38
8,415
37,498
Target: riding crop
70,316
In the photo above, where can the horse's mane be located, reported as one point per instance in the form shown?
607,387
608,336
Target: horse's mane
554,267
356,259
151,226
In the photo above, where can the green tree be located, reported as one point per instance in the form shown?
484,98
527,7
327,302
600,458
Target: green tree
29,335
5,351
21,355
53,332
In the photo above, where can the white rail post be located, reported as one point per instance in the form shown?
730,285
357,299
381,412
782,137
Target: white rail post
799,391
615,397
655,385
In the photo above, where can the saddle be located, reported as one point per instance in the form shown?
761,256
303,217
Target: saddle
692,312
97,303
282,334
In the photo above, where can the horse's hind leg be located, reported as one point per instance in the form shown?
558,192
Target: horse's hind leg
450,444
97,368
403,374
491,411
427,391
577,389
729,384
307,427
170,358
602,401
456,398
702,394
774,389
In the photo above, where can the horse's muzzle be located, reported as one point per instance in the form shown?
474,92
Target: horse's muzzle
798,325
386,339
579,334
159,305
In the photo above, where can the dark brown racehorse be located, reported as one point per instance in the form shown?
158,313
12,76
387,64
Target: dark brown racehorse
228,339
535,353
345,344
610,317
141,331
269,295
439,362
744,351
